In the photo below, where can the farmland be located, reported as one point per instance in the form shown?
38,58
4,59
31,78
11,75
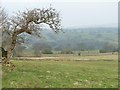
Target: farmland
64,72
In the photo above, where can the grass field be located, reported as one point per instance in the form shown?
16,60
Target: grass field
62,74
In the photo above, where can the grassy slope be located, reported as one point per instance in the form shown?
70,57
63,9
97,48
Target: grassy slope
58,74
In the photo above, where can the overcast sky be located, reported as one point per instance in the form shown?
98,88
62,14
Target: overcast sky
74,14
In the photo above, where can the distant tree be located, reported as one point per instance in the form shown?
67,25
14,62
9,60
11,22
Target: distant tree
18,51
79,54
67,52
47,51
102,51
115,50
38,47
30,22
109,47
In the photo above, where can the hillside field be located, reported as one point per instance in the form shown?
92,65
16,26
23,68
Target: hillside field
62,74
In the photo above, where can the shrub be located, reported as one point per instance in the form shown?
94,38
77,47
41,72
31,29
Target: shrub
103,51
67,52
47,51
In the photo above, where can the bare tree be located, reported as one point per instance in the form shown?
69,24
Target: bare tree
4,27
30,22
3,16
3,23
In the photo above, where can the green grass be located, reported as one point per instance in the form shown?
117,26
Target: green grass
62,74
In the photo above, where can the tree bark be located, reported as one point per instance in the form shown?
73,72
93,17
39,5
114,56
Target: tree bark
13,41
12,46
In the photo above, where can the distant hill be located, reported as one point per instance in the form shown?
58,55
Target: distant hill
78,39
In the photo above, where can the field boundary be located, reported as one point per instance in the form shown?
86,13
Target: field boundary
57,59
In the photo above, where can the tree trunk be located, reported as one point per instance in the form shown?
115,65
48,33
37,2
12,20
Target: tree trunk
12,46
13,41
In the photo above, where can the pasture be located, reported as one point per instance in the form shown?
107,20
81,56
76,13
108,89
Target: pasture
63,72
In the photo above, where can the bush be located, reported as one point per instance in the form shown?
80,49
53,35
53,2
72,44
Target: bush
115,50
79,54
103,51
47,51
106,51
67,52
